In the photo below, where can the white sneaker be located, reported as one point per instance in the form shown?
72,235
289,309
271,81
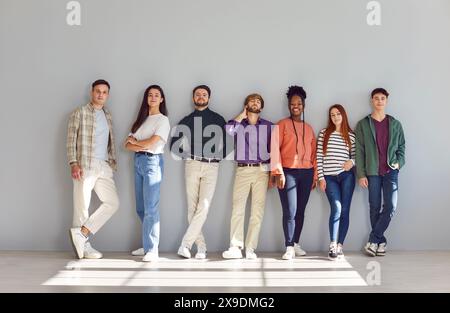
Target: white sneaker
232,253
91,253
78,240
332,251
184,252
250,254
298,250
150,257
289,254
371,248
201,254
340,251
138,252
381,250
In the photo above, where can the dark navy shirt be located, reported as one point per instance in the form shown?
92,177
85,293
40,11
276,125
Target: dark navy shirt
206,137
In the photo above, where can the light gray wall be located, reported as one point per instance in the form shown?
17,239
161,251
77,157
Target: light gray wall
237,47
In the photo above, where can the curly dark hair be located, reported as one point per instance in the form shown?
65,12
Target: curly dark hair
296,91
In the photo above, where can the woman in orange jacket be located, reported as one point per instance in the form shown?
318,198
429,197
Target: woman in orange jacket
294,166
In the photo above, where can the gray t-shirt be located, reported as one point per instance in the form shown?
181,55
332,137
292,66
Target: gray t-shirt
101,136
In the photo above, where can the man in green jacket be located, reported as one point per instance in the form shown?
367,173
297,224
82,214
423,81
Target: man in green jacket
380,153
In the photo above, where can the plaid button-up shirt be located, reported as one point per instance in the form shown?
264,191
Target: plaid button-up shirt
81,137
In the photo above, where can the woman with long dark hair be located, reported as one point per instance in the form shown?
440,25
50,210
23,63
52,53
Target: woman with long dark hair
335,161
147,139
293,156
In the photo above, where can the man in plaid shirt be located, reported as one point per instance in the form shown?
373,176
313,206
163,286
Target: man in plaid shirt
91,155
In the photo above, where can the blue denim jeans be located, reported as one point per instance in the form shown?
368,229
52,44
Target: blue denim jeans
148,172
380,217
294,197
339,193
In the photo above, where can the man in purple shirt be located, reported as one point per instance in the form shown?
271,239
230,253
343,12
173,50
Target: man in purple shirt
252,154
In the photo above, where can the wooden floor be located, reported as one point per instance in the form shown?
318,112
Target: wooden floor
421,271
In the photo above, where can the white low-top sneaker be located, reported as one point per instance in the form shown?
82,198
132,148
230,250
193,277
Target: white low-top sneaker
340,251
298,250
232,253
90,252
289,254
371,248
184,252
381,250
250,254
78,240
201,254
138,252
150,257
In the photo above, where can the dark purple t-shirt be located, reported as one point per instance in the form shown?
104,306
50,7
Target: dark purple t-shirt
382,135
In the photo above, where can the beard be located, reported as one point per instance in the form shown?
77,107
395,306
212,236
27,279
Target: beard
201,104
254,110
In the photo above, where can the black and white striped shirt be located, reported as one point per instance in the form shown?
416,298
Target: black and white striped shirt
337,154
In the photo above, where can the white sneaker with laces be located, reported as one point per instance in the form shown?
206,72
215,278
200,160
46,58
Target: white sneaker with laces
250,254
232,253
78,240
201,254
90,252
298,250
184,252
289,254
371,248
138,252
381,250
150,257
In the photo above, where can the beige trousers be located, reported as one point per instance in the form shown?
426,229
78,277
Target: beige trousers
248,180
201,178
99,179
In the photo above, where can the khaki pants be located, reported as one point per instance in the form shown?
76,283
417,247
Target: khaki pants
254,180
201,178
99,179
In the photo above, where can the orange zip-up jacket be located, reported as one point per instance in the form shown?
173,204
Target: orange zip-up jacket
283,152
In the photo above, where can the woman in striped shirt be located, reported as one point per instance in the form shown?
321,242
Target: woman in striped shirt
335,161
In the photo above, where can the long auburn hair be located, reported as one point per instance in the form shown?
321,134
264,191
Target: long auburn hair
345,128
144,111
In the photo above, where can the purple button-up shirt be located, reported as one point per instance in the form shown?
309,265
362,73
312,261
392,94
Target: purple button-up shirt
251,142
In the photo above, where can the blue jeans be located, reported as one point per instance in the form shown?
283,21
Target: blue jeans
294,197
148,172
339,193
380,219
